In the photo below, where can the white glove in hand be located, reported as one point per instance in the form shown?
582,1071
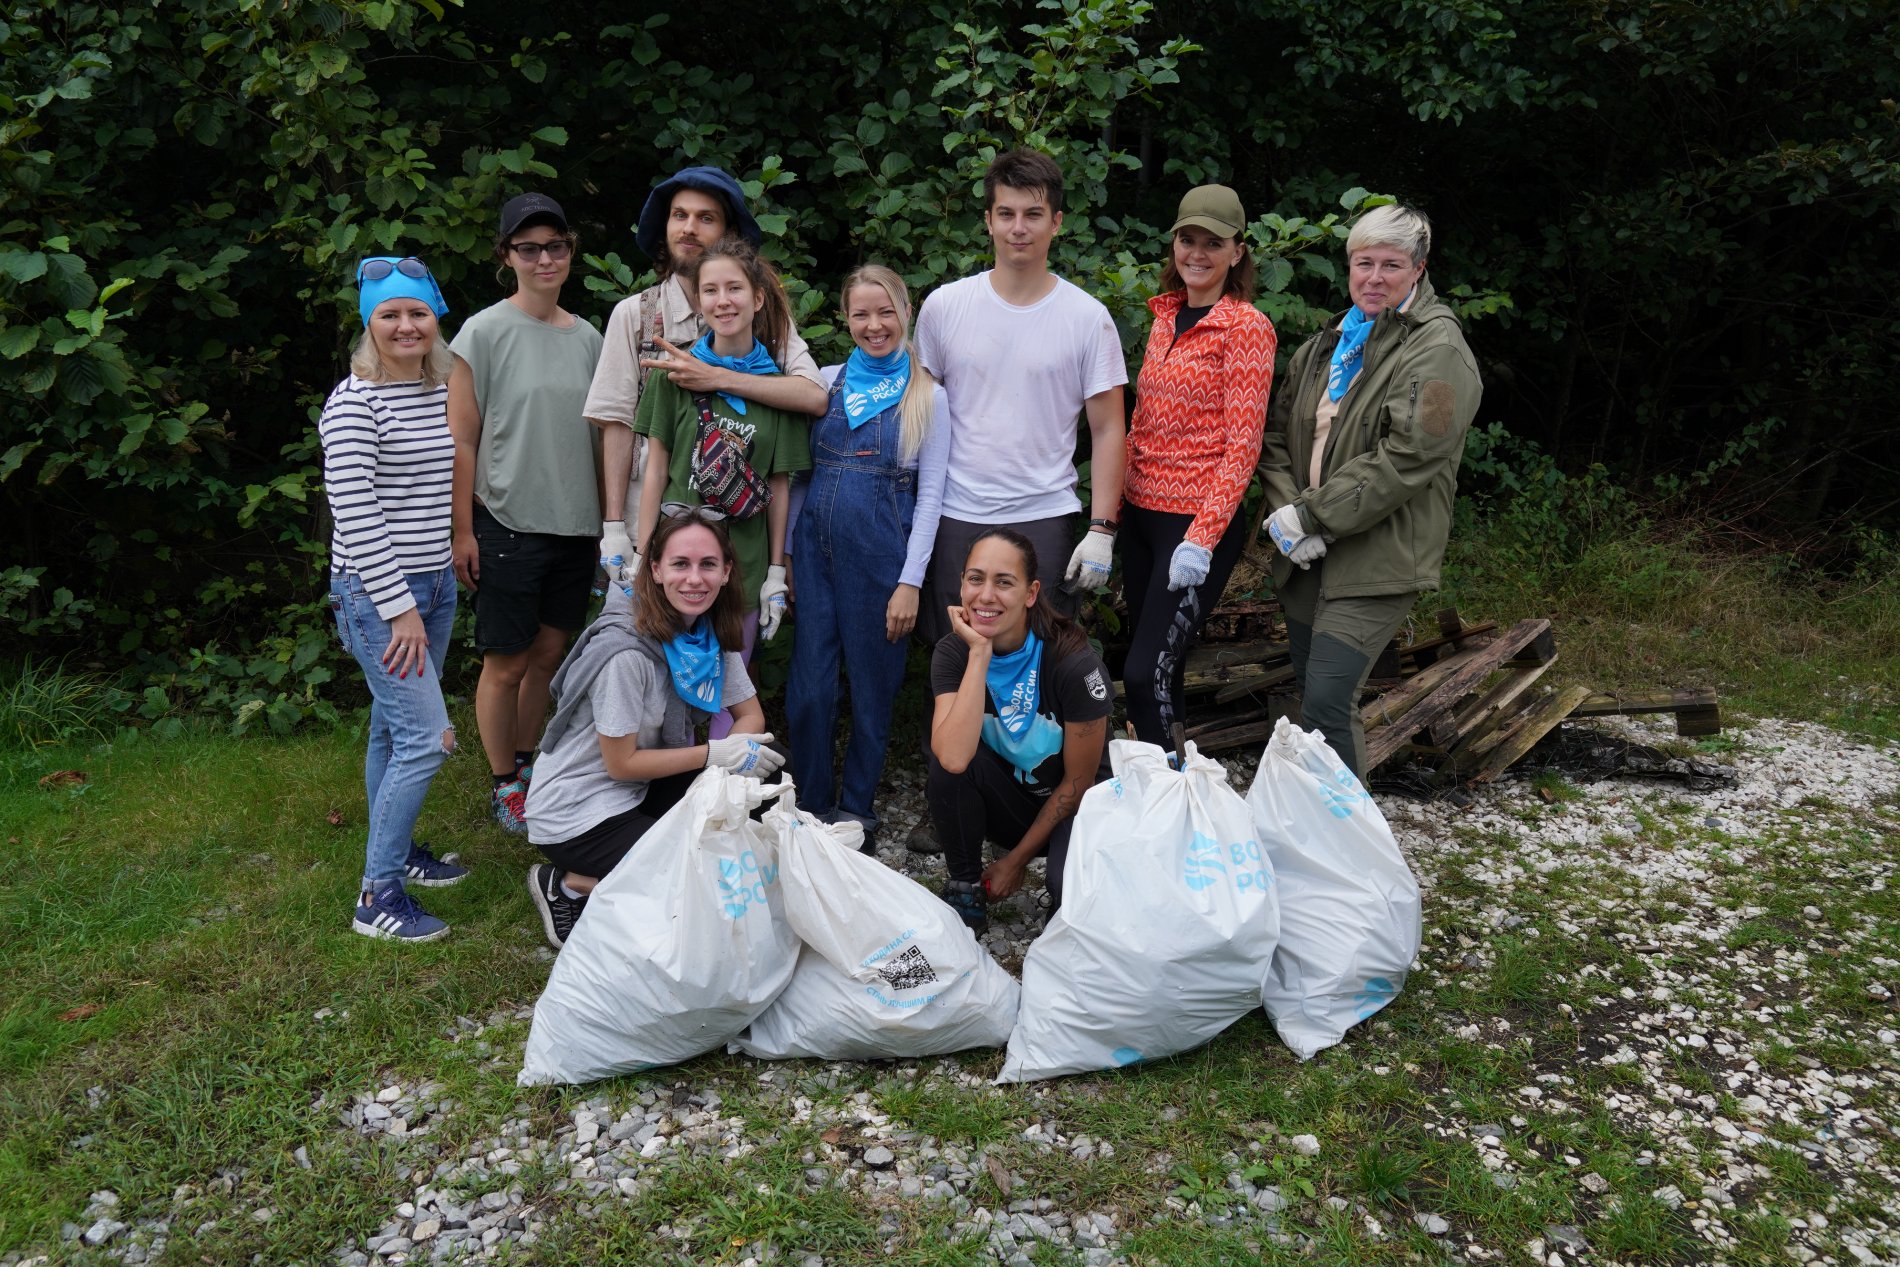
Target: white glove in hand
1309,550
744,754
616,554
1189,565
1089,565
1283,525
772,601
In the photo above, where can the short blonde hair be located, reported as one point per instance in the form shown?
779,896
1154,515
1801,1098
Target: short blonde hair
1395,225
367,363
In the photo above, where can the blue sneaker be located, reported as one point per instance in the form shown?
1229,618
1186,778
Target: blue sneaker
511,806
966,900
430,872
391,912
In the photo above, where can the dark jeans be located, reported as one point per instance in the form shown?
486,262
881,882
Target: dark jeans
987,801
600,848
1165,622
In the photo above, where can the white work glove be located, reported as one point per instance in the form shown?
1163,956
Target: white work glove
1309,551
616,554
1292,540
744,754
1089,565
1189,565
772,596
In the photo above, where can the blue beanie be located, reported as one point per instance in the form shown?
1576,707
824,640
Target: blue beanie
650,234
397,285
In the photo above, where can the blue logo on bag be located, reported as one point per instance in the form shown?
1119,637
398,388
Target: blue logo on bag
1203,866
1124,1055
1347,793
1375,994
742,883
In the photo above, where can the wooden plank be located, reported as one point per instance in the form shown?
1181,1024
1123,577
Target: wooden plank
1196,733
1613,703
1502,728
1395,703
1482,713
1440,703
1263,680
1235,737
1533,724
1429,651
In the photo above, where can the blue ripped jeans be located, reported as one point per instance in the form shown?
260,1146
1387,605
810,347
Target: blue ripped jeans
409,731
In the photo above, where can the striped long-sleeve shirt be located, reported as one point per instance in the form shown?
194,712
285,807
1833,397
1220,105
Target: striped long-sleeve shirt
388,460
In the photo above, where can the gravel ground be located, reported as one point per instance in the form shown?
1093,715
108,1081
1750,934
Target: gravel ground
1734,1028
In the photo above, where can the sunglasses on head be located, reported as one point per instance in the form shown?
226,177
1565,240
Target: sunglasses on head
680,510
376,270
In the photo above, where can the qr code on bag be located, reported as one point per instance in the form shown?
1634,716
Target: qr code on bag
908,970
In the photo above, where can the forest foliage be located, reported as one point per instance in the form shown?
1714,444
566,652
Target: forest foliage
1669,227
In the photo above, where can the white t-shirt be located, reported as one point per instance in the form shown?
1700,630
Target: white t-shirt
1017,379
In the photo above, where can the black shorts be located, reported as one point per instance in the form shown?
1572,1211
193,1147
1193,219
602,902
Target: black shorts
527,580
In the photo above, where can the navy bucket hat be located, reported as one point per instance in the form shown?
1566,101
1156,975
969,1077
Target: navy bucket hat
650,234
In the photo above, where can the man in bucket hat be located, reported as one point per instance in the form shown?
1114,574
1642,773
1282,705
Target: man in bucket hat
686,213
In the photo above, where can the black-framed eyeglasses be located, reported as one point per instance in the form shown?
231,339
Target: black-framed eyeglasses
376,270
680,510
559,249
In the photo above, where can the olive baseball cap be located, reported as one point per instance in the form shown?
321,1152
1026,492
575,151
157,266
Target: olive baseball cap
1215,208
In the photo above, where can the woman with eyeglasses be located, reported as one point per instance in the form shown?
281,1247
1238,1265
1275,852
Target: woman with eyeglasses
387,463
748,328
862,542
527,506
622,747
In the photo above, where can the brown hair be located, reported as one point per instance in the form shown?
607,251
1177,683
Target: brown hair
505,270
1024,169
772,324
656,617
1240,278
1060,636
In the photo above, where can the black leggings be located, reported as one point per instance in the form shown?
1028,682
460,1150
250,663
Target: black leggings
600,848
988,801
1165,622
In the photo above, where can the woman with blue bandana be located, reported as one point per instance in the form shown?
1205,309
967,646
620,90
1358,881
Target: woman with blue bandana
1019,729
748,328
861,545
1360,460
388,463
622,747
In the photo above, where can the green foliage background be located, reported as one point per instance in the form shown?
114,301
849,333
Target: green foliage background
1672,225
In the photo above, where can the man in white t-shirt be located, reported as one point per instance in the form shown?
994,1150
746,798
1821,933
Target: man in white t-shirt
1021,353
654,330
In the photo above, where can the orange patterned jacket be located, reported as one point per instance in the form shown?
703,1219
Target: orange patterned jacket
1200,413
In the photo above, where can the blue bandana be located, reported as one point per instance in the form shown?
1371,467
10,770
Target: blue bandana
1018,732
757,361
698,665
1349,357
398,285
873,384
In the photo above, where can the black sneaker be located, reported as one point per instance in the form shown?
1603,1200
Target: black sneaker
424,868
923,841
966,900
558,910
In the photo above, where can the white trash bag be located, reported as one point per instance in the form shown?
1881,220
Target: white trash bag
1169,918
680,947
887,969
1349,905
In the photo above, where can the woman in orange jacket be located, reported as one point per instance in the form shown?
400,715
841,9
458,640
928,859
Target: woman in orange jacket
1200,412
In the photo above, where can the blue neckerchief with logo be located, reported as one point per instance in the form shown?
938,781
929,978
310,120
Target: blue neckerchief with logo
1349,356
873,384
1018,732
698,665
757,361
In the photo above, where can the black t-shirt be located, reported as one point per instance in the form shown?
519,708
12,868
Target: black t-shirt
1073,689
1186,319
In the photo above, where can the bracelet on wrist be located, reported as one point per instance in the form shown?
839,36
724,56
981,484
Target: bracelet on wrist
1111,526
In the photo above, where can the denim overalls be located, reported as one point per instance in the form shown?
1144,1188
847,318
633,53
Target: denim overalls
848,552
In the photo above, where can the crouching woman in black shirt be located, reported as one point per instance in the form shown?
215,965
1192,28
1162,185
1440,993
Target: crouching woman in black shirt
1019,729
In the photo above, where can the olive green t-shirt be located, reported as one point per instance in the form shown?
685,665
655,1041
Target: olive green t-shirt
776,443
536,466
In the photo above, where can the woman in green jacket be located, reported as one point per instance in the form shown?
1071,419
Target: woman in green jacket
1361,467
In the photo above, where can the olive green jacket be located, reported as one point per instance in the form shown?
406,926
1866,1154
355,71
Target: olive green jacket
1391,464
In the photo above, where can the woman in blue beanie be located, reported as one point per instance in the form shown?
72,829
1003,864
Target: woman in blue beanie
387,465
